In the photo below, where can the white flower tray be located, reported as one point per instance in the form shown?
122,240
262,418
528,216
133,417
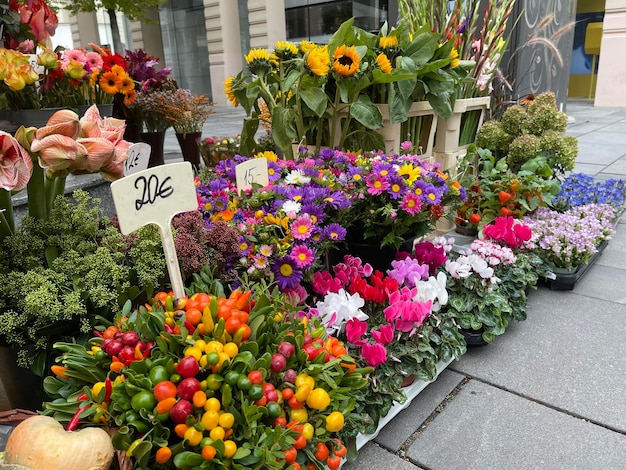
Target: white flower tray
411,392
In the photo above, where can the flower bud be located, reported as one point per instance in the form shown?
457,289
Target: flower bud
63,122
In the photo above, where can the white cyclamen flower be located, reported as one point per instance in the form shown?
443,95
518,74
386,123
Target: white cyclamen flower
434,289
336,309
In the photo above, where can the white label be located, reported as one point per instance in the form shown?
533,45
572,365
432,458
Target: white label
138,158
253,171
154,196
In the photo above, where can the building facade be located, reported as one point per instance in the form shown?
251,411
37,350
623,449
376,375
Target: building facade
204,41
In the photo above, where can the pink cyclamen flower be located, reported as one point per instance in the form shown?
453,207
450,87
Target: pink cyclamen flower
374,354
384,334
355,329
16,166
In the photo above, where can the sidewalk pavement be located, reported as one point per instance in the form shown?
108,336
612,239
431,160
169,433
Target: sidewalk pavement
548,394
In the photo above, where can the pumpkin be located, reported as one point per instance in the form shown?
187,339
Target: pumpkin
41,443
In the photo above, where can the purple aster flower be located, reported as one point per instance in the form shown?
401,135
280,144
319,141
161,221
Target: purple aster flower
337,200
397,188
315,212
273,171
335,232
286,273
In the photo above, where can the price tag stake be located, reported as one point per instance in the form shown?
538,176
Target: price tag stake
155,196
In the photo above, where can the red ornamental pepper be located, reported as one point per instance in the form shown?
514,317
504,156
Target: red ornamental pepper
108,389
190,327
83,397
73,424
97,333
168,329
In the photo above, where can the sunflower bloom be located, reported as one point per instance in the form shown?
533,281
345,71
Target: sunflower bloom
306,46
110,82
387,42
318,61
228,89
346,60
383,63
454,55
285,50
259,61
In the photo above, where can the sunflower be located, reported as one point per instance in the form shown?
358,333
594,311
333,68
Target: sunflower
387,42
306,46
318,61
228,89
285,50
454,55
383,63
258,61
346,60
110,82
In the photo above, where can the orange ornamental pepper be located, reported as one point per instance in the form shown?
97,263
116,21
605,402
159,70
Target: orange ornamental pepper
59,371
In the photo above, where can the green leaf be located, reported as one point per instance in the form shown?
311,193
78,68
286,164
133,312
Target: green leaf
187,459
283,128
366,112
343,35
247,143
315,99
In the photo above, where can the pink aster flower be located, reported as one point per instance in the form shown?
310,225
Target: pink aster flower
377,185
411,204
302,227
303,255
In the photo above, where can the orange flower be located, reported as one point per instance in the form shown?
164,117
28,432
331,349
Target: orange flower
110,82
346,60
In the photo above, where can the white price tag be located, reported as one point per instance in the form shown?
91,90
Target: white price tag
253,171
154,196
138,158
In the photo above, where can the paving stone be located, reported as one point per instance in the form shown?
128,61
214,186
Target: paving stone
618,167
614,255
605,154
603,282
588,168
569,353
486,428
374,457
404,425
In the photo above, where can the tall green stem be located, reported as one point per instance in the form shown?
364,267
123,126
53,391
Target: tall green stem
335,117
54,188
7,223
36,190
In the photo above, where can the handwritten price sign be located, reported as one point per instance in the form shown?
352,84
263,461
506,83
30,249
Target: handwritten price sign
154,196
138,158
253,171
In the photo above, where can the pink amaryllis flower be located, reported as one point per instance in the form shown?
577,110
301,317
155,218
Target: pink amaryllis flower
57,153
374,354
64,122
16,166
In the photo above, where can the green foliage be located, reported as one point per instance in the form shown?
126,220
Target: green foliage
524,133
63,274
131,9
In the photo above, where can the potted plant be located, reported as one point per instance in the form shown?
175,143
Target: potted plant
493,189
214,149
568,242
238,418
386,321
486,283
578,189
187,114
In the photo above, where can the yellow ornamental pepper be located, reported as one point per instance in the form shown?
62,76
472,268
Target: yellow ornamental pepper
305,379
303,392
193,436
334,421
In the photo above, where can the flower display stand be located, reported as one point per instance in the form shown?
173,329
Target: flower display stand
411,392
567,279
457,132
454,135
419,128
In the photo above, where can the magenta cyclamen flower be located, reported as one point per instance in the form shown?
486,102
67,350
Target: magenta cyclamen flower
404,312
427,253
324,282
509,231
355,329
374,354
384,334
